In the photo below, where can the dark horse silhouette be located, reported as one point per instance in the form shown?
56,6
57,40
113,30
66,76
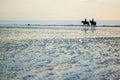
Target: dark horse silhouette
85,23
93,23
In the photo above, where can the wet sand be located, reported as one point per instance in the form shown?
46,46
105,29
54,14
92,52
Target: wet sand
60,54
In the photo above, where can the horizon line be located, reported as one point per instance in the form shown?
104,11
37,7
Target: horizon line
61,20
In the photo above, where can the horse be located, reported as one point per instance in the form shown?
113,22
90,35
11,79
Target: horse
93,23
85,23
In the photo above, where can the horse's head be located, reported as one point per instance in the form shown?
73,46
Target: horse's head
82,21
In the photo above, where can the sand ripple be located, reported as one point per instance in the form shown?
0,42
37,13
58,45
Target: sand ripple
60,59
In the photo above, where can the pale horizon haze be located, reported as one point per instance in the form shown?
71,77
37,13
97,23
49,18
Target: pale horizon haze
59,9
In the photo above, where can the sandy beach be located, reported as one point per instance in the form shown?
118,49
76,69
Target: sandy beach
60,54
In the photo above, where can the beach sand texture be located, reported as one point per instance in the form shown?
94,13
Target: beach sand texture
59,54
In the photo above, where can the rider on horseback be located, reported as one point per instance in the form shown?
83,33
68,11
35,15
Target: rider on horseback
85,23
93,23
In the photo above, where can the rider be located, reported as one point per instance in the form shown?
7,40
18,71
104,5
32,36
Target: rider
85,19
92,19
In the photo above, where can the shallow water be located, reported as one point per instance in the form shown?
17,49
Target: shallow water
58,22
66,32
59,54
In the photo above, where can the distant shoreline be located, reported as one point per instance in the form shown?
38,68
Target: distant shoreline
47,26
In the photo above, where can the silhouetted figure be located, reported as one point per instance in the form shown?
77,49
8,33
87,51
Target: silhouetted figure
85,23
93,19
28,24
85,20
93,23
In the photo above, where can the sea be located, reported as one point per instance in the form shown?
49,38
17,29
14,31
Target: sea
22,23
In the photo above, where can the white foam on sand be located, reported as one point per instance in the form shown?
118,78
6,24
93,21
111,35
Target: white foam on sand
59,54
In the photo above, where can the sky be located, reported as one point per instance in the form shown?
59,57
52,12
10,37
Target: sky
59,9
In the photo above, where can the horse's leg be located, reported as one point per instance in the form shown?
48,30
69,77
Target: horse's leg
84,25
88,25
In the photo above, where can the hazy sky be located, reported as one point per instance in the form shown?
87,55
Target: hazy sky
59,9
